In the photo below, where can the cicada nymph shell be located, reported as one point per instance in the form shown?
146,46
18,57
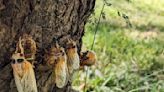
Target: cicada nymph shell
29,46
57,59
23,71
87,58
73,61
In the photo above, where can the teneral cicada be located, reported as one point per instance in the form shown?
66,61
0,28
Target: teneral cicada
23,71
56,58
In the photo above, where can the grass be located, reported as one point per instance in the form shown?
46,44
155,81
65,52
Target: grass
129,59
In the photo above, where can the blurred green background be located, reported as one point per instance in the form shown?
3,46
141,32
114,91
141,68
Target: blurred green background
129,46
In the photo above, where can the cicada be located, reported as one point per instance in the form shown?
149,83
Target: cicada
56,58
73,61
23,71
87,58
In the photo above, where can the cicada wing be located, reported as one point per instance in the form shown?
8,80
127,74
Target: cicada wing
73,63
60,74
29,81
70,66
76,61
18,82
33,81
18,75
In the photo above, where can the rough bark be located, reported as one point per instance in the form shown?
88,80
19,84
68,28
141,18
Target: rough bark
44,20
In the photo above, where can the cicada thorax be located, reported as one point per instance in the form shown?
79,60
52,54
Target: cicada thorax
23,71
51,56
57,59
20,69
73,61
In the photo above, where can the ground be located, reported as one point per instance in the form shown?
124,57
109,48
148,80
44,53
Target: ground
130,57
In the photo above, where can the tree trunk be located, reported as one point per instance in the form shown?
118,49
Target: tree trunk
43,20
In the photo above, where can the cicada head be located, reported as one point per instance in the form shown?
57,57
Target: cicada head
17,63
53,54
71,47
18,56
